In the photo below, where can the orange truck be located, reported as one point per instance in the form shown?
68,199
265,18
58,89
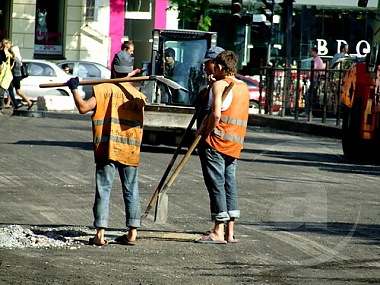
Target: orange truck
360,104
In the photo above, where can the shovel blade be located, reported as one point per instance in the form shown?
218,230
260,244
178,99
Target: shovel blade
161,214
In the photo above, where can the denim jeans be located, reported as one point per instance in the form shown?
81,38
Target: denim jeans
105,174
12,95
219,173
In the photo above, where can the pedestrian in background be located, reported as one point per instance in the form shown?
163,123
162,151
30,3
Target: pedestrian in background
122,63
17,75
66,68
343,53
318,65
6,72
117,134
223,140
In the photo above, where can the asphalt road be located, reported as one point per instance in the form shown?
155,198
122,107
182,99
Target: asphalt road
308,216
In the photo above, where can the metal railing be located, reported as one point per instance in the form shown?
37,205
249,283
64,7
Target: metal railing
286,90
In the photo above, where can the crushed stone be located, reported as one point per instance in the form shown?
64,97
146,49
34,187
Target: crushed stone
16,236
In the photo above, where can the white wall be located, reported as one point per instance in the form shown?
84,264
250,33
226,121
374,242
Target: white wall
87,40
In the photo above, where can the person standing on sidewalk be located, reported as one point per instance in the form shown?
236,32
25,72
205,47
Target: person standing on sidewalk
318,64
117,124
6,76
17,76
223,140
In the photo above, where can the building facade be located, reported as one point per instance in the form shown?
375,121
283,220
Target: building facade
90,30
93,30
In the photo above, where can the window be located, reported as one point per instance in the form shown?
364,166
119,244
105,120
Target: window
92,10
49,25
90,70
141,9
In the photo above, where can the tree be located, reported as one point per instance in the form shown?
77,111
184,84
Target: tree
193,14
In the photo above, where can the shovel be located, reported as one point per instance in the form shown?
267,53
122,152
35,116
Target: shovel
169,167
161,214
159,78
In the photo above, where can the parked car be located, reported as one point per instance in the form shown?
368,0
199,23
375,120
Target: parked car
254,95
86,70
43,71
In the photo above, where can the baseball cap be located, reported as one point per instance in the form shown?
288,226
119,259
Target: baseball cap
123,62
212,53
170,52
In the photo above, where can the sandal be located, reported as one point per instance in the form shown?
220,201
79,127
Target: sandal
124,240
31,105
19,106
91,242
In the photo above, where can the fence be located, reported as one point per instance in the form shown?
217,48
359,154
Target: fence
286,90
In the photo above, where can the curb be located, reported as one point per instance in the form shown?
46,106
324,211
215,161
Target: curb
328,129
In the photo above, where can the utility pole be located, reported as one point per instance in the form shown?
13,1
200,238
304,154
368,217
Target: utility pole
268,11
287,16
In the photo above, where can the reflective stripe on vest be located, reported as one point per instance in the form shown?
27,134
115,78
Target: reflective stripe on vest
118,121
233,121
117,139
229,137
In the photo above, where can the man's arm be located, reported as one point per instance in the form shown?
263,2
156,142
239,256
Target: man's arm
82,105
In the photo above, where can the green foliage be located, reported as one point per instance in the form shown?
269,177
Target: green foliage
193,14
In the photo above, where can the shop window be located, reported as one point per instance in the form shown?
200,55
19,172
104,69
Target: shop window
4,19
141,9
48,40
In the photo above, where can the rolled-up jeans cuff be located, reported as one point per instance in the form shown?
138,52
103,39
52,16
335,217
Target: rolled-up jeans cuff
234,214
222,216
135,223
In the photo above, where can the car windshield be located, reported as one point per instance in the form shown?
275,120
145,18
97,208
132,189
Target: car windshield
88,70
187,68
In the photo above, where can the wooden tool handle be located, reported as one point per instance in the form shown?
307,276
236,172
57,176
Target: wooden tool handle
195,143
98,81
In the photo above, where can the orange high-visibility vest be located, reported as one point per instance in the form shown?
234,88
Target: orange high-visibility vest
116,123
228,135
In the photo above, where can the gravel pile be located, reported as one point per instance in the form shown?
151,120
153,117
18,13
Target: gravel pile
15,236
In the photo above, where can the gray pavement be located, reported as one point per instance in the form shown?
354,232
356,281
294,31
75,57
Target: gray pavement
287,234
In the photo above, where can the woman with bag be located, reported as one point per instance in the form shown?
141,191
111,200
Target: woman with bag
17,75
6,76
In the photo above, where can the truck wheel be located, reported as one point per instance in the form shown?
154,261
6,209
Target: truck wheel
351,142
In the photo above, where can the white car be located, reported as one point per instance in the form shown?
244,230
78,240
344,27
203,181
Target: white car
86,70
52,98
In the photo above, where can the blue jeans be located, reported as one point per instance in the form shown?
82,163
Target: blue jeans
219,173
12,95
105,174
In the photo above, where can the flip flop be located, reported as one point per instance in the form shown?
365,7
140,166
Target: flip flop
31,105
91,242
208,240
124,240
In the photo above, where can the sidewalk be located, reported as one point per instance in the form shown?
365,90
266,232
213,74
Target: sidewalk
301,125
286,123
